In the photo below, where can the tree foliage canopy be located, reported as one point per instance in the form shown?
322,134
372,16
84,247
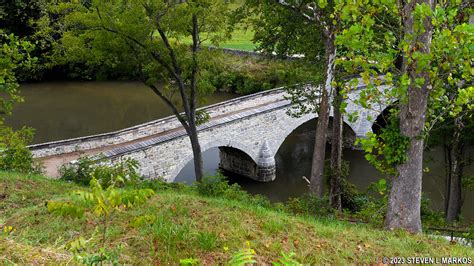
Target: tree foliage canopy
371,47
139,34
13,54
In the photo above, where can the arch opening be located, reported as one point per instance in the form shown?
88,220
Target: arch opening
225,158
237,162
383,119
307,130
294,160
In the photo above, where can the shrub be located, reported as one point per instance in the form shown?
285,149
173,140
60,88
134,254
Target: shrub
375,208
429,217
14,153
246,75
118,174
79,172
309,205
103,203
373,212
213,186
160,185
217,186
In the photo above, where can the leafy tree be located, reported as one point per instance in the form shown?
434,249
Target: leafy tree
310,28
31,22
306,27
451,121
453,135
429,42
450,109
149,34
14,154
16,16
14,53
319,14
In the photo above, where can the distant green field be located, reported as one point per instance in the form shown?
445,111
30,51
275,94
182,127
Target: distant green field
241,40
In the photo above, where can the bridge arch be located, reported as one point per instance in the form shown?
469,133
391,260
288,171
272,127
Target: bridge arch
383,118
301,121
217,143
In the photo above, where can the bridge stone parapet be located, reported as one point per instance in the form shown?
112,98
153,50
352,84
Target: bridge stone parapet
149,129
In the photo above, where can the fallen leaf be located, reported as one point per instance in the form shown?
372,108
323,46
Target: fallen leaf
296,243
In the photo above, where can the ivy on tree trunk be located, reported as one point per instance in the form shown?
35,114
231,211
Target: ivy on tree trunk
405,195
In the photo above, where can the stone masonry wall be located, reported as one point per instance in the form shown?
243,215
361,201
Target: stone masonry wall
150,128
238,162
246,134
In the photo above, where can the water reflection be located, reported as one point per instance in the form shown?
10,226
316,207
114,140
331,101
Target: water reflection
61,110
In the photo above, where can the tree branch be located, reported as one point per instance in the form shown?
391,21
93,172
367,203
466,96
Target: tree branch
155,55
170,104
195,34
294,8
316,14
177,69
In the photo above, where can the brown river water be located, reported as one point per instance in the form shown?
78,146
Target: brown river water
61,110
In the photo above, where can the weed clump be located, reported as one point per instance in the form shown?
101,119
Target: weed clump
218,186
85,169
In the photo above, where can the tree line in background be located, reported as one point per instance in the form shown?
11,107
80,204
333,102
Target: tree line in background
421,48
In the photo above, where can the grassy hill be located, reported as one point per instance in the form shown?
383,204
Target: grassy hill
183,225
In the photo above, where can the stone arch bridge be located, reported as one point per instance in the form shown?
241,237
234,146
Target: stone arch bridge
248,131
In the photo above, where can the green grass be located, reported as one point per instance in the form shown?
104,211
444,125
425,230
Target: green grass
182,224
241,40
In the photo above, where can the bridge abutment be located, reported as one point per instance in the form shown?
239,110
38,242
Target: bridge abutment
238,162
266,166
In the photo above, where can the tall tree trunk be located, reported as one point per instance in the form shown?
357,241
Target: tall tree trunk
193,135
197,153
405,195
336,152
454,198
447,168
319,153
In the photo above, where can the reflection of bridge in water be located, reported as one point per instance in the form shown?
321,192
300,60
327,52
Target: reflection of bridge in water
248,131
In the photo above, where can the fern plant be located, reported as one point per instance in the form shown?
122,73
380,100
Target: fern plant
102,203
243,257
188,262
287,260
